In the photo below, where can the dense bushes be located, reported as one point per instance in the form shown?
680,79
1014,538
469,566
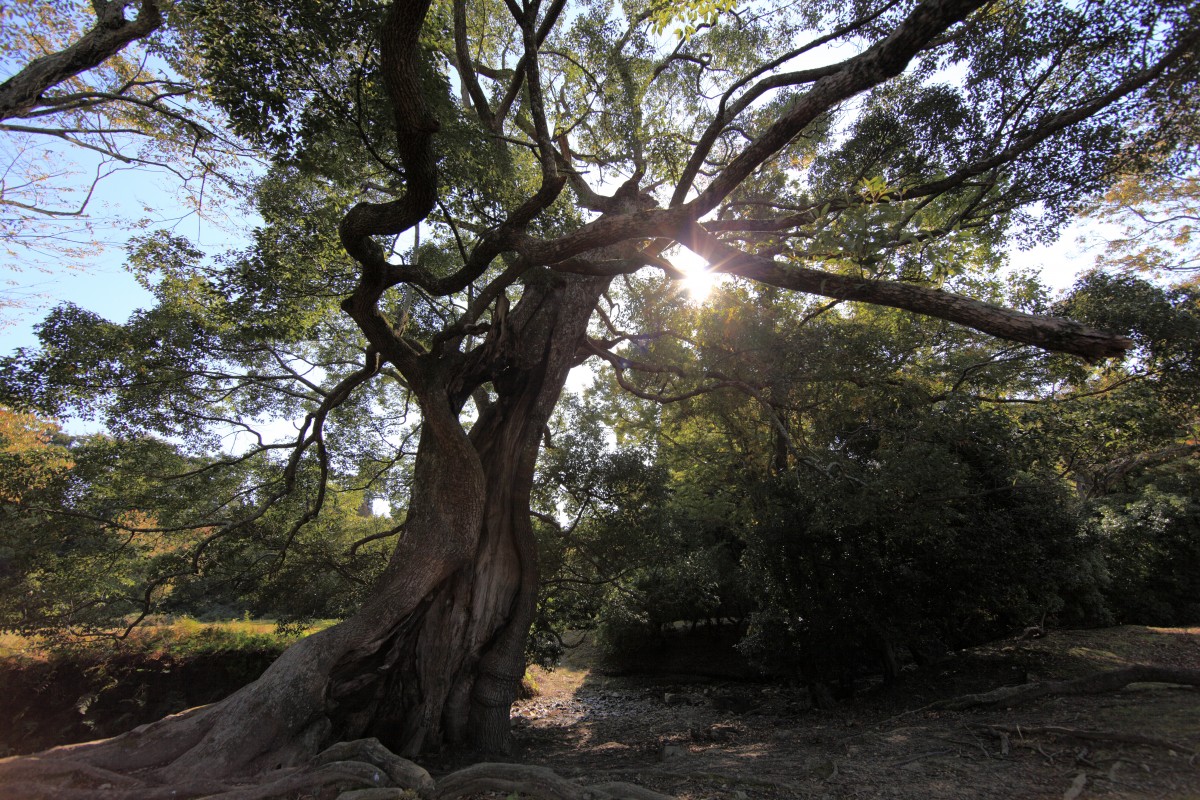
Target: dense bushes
1150,541
879,489
931,534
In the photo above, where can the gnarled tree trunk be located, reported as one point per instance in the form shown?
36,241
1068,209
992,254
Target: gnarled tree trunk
436,655
454,666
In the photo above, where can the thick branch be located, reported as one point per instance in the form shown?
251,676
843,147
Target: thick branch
111,33
884,60
726,113
415,126
514,88
466,66
1049,333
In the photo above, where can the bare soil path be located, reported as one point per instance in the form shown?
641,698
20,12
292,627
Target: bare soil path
761,741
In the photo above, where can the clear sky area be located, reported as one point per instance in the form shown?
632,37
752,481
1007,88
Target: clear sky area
33,280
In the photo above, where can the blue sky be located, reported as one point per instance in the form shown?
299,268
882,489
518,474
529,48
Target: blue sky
98,281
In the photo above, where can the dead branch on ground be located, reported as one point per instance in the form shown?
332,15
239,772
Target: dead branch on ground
1117,737
1098,683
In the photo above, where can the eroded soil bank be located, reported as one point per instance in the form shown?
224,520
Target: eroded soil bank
48,702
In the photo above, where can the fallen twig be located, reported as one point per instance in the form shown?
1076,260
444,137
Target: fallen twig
930,754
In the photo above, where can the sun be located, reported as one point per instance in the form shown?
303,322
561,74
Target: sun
698,279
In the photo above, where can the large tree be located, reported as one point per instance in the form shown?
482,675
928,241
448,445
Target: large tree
507,167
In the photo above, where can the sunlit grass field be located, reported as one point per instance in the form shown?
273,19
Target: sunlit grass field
179,636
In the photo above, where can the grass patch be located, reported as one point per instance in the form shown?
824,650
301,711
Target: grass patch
14,645
182,637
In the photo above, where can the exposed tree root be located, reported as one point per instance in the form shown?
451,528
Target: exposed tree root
344,767
534,781
1092,684
31,778
1088,735
402,772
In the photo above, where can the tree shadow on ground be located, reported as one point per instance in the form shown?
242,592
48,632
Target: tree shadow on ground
700,738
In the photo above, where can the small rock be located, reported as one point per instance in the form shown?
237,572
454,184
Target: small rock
666,752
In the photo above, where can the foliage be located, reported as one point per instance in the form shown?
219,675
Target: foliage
101,545
932,531
1150,538
691,14
629,550
1156,222
881,482
30,458
1130,443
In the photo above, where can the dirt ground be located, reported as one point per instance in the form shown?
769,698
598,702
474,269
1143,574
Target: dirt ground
698,740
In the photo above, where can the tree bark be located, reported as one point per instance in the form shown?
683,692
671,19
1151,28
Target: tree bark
453,672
